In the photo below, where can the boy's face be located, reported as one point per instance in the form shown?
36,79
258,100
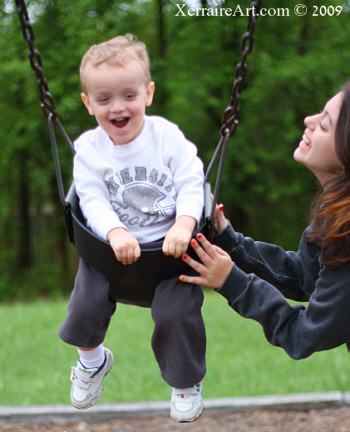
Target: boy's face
117,96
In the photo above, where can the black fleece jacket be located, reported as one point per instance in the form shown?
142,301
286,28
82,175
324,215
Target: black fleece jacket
264,275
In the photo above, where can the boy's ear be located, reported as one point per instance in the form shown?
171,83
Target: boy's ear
150,93
86,101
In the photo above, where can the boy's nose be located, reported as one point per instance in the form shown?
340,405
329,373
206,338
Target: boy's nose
117,106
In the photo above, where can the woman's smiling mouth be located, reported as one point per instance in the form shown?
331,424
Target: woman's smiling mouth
305,143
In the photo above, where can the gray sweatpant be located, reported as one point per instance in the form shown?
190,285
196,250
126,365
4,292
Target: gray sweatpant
178,340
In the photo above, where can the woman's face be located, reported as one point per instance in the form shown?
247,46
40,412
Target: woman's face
316,150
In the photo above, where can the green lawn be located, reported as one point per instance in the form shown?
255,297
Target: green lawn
36,363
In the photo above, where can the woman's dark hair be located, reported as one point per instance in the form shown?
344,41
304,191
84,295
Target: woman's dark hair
330,216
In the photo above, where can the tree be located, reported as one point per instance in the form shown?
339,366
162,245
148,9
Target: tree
297,63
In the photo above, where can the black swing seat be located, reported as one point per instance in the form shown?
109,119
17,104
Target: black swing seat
132,284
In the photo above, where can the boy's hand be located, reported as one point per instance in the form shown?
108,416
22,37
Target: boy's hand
178,237
125,246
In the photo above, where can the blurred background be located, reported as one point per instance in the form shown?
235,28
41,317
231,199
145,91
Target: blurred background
297,64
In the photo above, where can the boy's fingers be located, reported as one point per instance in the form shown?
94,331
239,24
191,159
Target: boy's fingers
180,249
165,248
137,254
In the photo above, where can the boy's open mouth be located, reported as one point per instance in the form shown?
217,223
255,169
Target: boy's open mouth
120,123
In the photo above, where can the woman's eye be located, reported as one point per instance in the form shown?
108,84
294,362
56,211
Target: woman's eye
323,126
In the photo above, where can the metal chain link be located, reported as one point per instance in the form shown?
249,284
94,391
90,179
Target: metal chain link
47,102
230,118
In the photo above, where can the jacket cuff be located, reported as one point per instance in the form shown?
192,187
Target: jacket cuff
233,285
228,239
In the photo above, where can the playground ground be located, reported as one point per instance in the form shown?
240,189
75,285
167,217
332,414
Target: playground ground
315,420
319,412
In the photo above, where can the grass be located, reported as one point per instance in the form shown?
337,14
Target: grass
36,363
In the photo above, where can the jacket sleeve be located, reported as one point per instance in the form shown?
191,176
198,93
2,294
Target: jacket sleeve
292,273
299,330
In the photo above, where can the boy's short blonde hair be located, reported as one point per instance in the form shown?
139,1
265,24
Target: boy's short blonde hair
117,51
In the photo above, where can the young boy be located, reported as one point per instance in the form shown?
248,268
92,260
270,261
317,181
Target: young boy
130,167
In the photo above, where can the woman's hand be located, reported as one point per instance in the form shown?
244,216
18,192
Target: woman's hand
215,264
220,221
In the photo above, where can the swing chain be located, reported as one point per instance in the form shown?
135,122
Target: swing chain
230,117
47,102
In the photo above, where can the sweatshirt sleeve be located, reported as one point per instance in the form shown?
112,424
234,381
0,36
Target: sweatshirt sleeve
299,330
187,171
93,192
292,273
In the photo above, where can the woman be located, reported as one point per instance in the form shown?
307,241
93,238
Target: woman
256,278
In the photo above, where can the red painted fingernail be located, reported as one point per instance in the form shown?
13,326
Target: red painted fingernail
199,236
181,278
221,207
193,242
184,257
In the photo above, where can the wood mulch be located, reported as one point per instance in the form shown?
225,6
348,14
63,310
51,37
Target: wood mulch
333,419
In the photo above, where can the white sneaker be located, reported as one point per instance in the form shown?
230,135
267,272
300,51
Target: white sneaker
87,384
187,403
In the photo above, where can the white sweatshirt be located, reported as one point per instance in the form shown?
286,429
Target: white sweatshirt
142,186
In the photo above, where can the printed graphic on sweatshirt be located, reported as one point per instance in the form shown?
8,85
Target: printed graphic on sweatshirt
142,197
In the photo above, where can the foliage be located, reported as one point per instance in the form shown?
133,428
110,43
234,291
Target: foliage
297,63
